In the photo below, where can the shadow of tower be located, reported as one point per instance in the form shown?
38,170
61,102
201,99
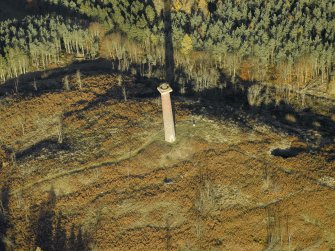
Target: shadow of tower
169,52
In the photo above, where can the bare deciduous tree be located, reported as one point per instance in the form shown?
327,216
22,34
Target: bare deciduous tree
255,95
78,78
123,87
35,84
16,85
66,83
60,129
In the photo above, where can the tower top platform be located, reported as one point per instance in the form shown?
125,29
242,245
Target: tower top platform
164,88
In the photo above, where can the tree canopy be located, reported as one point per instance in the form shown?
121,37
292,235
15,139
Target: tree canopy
287,41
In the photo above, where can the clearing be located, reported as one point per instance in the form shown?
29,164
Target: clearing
114,184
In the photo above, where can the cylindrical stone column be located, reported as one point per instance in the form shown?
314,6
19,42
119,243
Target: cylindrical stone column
169,128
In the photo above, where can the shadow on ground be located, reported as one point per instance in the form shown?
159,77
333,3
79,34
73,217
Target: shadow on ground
49,230
4,216
52,146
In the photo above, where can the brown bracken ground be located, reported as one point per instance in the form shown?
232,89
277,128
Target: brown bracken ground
114,184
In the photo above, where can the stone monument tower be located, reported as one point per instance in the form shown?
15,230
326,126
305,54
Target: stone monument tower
169,128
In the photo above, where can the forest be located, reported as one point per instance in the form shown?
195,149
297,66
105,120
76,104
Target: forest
290,43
